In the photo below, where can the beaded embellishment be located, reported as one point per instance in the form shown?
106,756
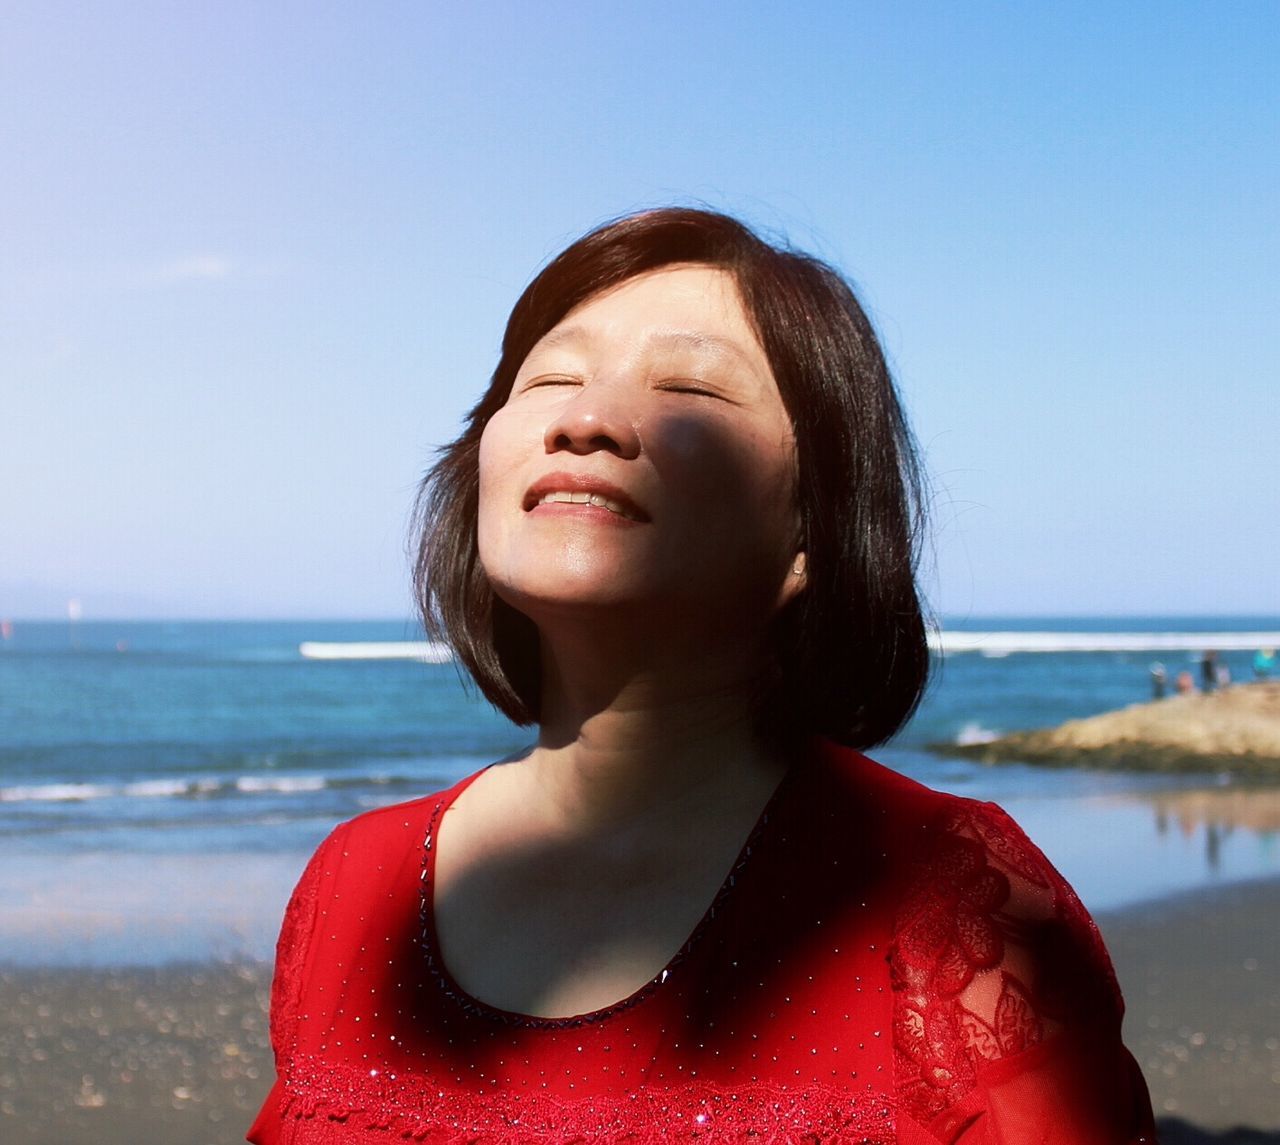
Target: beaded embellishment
714,1115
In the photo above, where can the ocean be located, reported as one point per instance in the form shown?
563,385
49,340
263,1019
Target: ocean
161,784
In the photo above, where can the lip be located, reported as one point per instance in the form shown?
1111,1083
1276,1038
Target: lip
584,483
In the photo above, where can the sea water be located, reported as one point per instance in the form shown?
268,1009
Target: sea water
161,784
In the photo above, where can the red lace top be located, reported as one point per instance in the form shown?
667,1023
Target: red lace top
883,964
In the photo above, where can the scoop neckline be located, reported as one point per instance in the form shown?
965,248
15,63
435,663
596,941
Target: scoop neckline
430,939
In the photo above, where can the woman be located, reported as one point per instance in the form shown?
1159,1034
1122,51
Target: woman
677,535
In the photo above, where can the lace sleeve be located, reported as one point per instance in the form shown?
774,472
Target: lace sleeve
1005,1002
286,990
291,952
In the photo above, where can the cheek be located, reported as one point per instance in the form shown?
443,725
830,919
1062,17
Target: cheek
505,445
494,465
735,469
487,458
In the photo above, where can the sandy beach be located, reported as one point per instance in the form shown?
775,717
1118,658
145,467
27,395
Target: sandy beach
180,1055
177,1056
1201,977
1234,730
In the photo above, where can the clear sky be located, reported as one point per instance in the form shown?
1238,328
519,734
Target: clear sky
256,259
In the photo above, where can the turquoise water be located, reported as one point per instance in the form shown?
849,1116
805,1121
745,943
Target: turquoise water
188,768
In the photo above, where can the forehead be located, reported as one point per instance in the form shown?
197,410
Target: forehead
687,306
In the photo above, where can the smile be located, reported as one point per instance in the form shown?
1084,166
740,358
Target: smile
578,497
586,489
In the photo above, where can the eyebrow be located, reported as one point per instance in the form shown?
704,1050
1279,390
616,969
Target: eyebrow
675,339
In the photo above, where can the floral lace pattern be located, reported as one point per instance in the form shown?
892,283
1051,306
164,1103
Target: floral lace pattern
292,946
991,949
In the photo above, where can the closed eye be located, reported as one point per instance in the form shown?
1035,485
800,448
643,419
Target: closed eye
550,380
686,386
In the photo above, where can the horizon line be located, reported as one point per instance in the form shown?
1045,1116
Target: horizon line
355,618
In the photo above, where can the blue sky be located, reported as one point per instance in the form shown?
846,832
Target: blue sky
257,259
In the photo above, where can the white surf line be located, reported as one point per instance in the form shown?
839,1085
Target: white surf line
425,650
1003,643
949,642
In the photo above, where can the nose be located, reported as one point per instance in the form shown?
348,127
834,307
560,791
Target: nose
596,418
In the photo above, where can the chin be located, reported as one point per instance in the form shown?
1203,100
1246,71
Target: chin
539,601
567,587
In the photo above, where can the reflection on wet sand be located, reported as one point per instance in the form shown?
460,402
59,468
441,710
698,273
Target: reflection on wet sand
1218,812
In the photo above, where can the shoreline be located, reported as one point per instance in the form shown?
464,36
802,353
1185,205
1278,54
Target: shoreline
179,1053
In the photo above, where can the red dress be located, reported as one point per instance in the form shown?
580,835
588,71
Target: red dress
883,964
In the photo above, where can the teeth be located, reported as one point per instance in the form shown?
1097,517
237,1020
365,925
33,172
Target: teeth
577,497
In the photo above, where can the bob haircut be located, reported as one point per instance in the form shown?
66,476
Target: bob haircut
849,657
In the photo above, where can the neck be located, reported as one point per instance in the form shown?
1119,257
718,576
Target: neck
637,730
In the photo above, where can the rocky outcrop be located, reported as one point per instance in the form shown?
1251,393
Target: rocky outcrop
1236,729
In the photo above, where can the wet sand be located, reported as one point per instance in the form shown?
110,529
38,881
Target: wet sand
179,1055
175,1056
1201,977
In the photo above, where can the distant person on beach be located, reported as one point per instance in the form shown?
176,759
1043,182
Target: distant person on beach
1264,663
677,537
1185,684
1209,671
1159,681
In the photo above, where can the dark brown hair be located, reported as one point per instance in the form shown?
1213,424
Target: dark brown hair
850,658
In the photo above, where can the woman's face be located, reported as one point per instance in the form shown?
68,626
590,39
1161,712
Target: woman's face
644,457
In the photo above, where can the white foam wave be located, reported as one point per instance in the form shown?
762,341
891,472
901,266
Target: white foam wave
427,651
974,733
159,788
54,792
1003,643
255,784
